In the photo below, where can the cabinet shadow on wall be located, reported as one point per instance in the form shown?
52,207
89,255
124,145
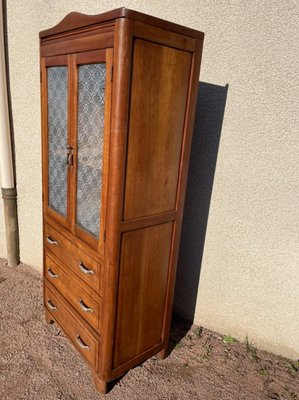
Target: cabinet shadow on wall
209,116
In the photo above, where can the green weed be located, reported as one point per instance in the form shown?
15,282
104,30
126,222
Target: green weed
208,349
178,345
198,331
251,349
263,372
228,339
293,367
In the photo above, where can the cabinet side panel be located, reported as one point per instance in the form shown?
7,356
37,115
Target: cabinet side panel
142,290
159,89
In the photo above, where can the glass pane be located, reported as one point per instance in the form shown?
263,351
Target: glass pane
57,137
91,102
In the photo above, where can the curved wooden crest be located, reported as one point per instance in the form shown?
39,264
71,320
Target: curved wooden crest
77,20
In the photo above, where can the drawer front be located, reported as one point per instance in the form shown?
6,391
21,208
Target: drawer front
79,335
83,303
79,262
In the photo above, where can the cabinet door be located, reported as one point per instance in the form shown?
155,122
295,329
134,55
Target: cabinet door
55,110
92,81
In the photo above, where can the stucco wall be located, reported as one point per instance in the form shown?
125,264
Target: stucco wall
3,252
239,256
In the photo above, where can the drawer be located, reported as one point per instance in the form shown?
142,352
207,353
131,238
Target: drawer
88,269
82,339
89,307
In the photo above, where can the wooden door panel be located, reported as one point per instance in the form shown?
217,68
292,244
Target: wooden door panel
159,90
142,290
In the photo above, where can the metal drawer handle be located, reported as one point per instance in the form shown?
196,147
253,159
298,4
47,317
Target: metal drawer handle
51,274
85,270
81,343
70,155
51,241
84,306
51,305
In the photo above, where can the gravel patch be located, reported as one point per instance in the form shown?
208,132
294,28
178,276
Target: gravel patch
37,362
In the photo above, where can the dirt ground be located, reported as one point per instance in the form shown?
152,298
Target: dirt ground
37,362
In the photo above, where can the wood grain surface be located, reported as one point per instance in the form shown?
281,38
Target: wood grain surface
142,291
160,80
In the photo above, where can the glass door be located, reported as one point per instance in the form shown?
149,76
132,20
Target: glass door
92,81
56,157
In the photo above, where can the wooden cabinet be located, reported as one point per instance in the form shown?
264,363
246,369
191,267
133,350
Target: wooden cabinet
118,102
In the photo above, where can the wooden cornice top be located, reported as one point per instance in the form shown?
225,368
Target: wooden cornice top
76,20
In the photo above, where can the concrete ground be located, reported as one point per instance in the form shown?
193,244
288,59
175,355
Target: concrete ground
37,362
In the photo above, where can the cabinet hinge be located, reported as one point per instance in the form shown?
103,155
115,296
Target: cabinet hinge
111,72
41,76
104,236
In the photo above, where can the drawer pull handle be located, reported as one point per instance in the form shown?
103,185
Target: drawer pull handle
51,241
81,343
70,155
51,274
84,306
51,305
85,270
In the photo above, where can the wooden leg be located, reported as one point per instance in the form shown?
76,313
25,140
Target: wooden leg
101,386
163,353
48,317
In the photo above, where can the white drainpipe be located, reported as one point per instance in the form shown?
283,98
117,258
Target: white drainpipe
9,193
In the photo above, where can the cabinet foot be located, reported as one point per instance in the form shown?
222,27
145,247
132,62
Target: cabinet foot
163,353
101,385
48,317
